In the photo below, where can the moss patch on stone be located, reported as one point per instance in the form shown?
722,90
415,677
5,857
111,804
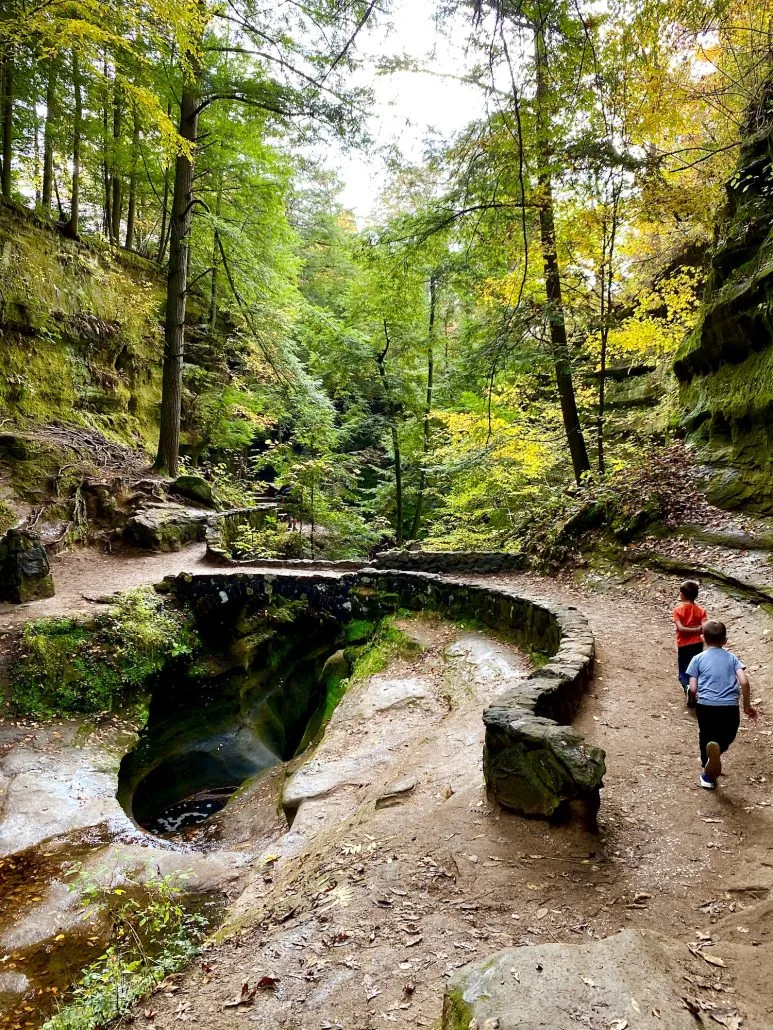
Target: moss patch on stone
66,666
386,643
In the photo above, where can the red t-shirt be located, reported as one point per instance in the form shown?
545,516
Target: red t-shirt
689,614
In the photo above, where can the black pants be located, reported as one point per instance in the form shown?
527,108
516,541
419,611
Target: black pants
719,723
684,655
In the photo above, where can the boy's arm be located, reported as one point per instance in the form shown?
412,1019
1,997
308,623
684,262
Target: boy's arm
746,693
688,629
693,688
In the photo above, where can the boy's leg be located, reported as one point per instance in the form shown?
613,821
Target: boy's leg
718,725
728,727
684,655
705,729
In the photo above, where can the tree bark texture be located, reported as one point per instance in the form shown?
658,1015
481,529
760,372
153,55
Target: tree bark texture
7,118
381,362
177,284
433,285
71,228
131,210
47,190
116,181
556,316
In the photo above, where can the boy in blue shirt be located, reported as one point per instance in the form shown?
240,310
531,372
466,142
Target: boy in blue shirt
717,678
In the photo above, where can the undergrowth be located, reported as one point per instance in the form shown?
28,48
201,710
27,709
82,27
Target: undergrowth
66,666
152,936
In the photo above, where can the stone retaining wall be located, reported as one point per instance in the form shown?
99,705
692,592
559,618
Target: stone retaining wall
221,526
534,762
474,562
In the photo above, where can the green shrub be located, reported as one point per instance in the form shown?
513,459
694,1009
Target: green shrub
152,936
67,666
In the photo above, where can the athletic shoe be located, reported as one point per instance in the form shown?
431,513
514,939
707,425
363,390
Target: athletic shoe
714,764
706,783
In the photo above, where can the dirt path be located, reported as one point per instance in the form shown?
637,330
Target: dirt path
361,924
81,577
361,928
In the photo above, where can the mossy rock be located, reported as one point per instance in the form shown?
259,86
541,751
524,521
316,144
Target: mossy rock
25,574
358,631
196,489
165,527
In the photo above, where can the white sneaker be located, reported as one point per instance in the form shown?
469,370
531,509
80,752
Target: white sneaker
706,783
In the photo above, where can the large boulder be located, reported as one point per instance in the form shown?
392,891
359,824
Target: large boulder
195,488
535,767
25,574
633,979
165,527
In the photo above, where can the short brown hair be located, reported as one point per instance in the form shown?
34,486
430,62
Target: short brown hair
715,633
689,589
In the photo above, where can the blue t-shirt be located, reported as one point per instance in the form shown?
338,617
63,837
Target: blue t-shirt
715,669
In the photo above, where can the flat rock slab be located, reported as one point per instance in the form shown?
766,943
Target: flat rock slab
384,693
486,660
48,789
319,778
613,983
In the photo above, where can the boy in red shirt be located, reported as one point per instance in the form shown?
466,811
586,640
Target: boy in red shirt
689,618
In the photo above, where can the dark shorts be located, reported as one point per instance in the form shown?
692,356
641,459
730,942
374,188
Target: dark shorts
719,723
684,655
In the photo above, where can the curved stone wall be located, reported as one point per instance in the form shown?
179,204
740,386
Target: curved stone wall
442,562
534,762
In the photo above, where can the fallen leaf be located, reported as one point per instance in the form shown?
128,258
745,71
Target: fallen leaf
727,1018
588,983
713,960
247,997
618,1024
635,1006
267,983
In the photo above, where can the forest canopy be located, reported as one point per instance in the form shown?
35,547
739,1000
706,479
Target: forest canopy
450,366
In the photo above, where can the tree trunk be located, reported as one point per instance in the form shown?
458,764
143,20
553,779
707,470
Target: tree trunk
71,228
427,405
106,183
131,210
558,338
116,181
47,190
381,361
216,247
5,178
163,236
177,283
36,168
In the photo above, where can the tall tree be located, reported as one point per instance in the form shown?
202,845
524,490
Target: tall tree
325,34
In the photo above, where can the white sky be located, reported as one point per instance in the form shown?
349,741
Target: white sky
409,107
